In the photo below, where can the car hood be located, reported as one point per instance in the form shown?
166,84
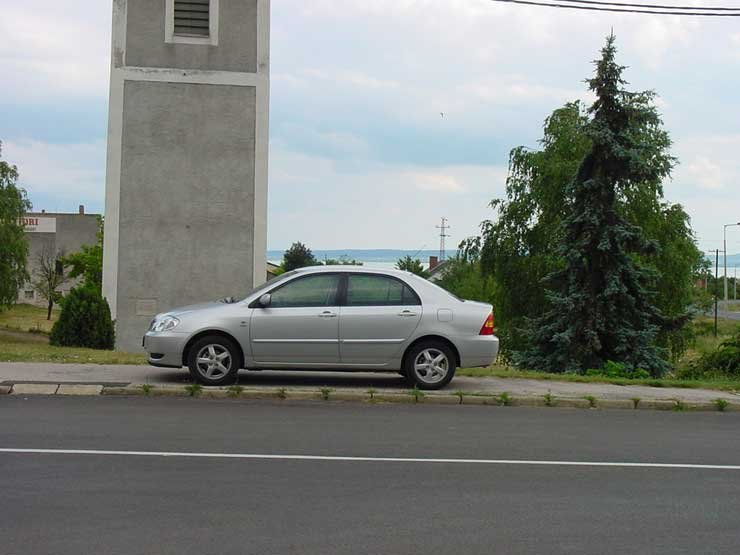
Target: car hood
194,307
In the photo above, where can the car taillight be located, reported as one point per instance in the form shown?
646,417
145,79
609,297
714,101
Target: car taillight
487,328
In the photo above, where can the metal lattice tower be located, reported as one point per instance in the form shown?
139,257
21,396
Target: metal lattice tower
442,235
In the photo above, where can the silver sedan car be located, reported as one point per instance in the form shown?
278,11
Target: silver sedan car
329,318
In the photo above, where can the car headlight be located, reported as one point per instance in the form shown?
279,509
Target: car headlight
165,324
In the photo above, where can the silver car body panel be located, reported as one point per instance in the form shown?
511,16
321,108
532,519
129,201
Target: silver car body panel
331,337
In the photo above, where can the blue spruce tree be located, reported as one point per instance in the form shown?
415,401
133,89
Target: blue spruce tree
600,303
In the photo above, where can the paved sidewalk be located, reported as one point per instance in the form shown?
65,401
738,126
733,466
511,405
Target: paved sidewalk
12,372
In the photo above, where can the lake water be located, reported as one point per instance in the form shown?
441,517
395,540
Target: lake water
373,258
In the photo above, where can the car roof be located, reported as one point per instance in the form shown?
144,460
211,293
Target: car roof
353,269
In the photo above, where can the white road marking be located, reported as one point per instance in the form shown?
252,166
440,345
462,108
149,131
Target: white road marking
258,456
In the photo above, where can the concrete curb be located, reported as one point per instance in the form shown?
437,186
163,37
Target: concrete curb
34,389
369,396
75,389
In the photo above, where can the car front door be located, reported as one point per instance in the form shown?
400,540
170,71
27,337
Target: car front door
379,316
301,325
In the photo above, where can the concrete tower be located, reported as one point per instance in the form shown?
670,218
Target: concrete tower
186,184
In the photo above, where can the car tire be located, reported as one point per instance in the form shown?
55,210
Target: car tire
429,365
214,360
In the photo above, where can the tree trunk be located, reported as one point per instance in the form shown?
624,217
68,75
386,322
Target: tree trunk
48,312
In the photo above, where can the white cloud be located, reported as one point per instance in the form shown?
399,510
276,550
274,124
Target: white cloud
55,48
371,205
706,173
346,73
70,173
707,184
436,182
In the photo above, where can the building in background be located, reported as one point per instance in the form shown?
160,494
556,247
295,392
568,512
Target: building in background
57,233
186,176
437,270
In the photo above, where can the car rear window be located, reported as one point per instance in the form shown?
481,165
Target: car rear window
377,290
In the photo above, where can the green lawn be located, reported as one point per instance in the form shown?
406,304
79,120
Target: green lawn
498,371
18,345
27,347
26,317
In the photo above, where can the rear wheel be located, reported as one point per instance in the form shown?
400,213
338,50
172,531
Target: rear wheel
430,365
214,360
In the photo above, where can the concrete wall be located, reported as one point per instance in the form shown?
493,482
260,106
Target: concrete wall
72,232
187,208
237,39
186,183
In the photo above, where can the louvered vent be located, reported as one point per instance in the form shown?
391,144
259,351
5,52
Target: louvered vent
192,17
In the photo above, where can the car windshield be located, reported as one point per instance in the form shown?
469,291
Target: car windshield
270,283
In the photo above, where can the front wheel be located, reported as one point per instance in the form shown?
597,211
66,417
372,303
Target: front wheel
430,365
214,360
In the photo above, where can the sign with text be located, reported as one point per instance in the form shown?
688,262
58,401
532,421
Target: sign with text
39,224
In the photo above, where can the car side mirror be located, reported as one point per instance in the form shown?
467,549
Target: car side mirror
265,300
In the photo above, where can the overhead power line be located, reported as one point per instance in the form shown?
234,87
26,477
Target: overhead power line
652,6
604,8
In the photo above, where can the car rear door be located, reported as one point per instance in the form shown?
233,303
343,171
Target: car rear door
301,325
379,315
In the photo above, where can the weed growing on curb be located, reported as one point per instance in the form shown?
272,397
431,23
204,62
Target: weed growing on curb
417,394
235,390
591,401
636,401
721,404
193,389
679,405
504,400
325,392
460,395
282,393
147,389
549,401
371,392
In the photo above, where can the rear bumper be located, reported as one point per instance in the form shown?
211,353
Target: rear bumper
477,351
165,349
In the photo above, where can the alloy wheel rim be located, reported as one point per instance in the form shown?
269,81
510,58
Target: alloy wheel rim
213,361
431,366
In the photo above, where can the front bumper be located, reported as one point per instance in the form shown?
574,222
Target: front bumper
165,348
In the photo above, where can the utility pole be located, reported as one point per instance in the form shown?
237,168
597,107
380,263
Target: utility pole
716,289
724,237
735,283
442,235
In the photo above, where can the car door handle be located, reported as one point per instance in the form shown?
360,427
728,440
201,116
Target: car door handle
407,313
327,314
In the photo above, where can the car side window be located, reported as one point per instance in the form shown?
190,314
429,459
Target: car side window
375,290
319,290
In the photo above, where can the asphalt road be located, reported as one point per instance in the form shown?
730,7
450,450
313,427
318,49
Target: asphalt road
728,315
71,503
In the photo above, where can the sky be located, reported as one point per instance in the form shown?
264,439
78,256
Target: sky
387,115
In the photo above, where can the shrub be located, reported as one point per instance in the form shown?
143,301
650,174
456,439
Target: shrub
84,321
723,362
613,369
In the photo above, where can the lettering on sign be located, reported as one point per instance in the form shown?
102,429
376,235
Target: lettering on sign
39,224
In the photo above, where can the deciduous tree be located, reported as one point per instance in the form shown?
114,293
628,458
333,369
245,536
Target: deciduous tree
49,276
413,265
298,256
13,245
